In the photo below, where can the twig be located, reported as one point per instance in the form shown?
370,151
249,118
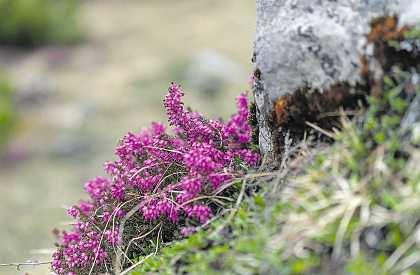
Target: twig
234,210
99,247
120,232
319,129
206,197
157,239
114,216
337,114
248,176
142,169
148,256
142,236
164,178
28,263
137,264
164,149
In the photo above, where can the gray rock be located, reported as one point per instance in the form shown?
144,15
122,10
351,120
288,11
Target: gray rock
314,43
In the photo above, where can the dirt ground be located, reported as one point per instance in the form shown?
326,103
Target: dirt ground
79,100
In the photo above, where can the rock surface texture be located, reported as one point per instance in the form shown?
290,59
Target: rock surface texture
313,44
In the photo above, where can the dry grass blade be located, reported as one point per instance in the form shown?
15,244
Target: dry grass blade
145,258
319,129
136,264
345,221
234,210
399,252
28,263
142,236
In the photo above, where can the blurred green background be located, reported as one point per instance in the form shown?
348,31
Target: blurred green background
76,76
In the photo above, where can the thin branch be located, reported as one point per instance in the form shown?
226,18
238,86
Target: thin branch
142,169
28,263
206,197
121,230
142,236
148,256
234,210
136,264
338,114
319,129
164,149
99,247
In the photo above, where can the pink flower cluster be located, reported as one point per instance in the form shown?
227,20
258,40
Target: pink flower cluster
165,178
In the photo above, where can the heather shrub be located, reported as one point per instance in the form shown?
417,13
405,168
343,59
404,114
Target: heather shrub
35,22
163,186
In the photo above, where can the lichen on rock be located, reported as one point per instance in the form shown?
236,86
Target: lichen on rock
302,44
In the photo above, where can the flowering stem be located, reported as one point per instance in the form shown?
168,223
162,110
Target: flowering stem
142,169
206,197
164,149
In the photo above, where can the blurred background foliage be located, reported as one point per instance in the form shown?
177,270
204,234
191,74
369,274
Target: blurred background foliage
7,111
35,22
75,100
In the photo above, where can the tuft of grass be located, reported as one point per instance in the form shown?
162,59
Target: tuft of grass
31,23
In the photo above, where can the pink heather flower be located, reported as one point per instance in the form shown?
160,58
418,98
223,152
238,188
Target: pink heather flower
251,158
120,213
217,180
113,237
150,211
237,127
97,188
174,105
184,198
111,168
191,185
73,211
158,129
86,207
169,176
252,80
106,217
200,212
188,230
200,159
118,190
